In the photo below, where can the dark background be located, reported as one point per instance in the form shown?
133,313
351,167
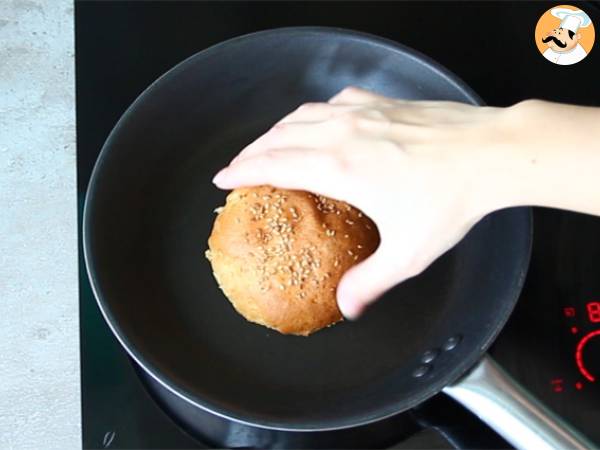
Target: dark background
121,47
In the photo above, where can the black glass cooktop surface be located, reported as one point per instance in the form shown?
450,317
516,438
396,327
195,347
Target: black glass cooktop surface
552,342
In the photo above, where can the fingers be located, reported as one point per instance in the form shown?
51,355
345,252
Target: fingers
295,130
348,130
367,281
404,110
287,168
316,112
348,99
355,95
284,135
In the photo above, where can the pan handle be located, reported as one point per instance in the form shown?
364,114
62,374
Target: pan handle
497,399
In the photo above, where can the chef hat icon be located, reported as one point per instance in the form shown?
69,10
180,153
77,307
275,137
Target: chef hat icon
571,19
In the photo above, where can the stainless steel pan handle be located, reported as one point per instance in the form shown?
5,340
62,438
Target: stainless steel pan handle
497,399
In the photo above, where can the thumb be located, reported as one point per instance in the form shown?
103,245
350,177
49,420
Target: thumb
366,282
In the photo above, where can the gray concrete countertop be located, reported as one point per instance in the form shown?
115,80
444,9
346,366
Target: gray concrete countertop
39,337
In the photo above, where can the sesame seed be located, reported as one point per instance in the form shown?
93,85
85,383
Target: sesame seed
349,222
350,252
359,246
218,210
346,236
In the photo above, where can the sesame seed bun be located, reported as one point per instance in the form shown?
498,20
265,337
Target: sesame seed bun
278,255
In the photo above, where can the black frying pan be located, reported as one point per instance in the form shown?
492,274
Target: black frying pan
148,214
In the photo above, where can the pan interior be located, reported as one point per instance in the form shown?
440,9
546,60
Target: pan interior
149,213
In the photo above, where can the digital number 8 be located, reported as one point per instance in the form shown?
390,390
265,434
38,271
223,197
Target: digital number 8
593,309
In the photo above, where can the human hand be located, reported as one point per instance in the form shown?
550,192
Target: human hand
415,167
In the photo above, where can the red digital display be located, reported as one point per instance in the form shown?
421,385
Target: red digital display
557,384
579,355
593,309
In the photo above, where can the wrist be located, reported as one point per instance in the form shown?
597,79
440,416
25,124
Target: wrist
543,154
515,157
493,158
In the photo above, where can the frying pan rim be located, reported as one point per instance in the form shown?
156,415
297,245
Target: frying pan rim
347,421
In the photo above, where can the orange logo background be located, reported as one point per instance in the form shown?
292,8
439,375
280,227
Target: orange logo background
548,22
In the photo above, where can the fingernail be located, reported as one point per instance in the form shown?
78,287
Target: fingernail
220,177
350,310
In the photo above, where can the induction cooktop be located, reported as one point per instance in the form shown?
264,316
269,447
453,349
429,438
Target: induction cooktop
551,343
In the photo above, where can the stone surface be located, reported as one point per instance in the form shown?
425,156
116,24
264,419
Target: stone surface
39,339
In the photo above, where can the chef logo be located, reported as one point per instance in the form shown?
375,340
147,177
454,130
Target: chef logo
564,35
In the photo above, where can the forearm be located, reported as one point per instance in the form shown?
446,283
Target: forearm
549,156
